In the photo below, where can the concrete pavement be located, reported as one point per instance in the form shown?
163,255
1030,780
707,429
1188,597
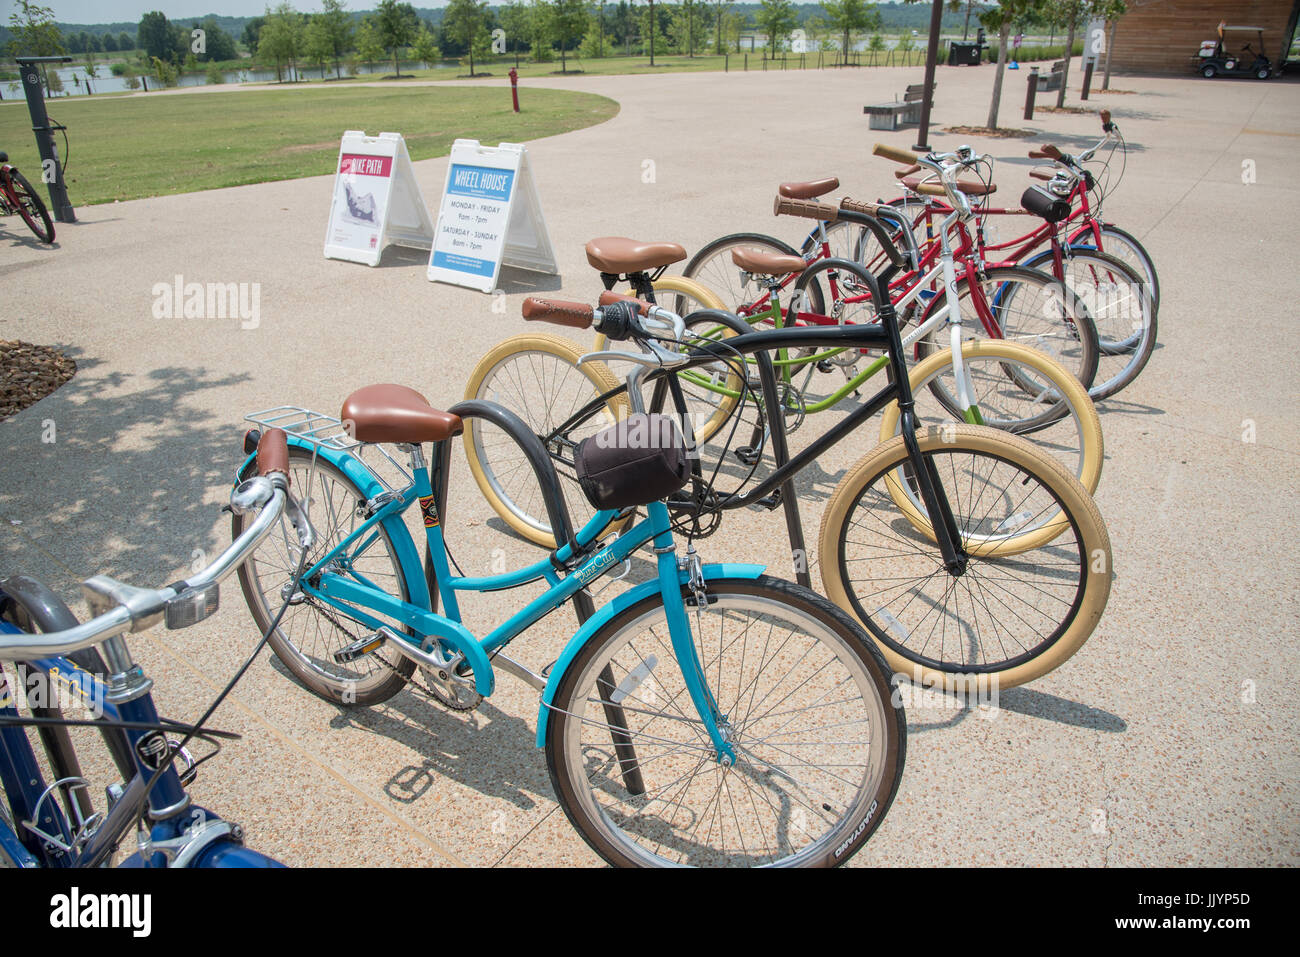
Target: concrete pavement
1169,739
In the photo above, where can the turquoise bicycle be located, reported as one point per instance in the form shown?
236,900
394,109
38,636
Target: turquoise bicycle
711,716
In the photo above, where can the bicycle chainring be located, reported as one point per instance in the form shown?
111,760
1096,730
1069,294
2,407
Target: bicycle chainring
448,688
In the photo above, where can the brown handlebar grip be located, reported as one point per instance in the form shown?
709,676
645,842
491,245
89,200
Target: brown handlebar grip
609,297
910,171
578,315
895,154
1043,174
1105,118
930,189
857,206
805,208
1038,155
1051,152
273,453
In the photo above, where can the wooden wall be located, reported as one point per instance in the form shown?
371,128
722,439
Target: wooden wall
1162,36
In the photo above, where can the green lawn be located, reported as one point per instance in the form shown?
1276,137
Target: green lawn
129,147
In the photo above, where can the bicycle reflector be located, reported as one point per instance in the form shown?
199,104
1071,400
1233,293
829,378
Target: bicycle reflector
191,606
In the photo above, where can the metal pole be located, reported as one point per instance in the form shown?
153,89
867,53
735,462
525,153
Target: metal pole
1087,79
931,55
59,202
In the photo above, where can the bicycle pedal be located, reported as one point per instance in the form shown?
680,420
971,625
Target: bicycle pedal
770,502
825,365
359,648
748,455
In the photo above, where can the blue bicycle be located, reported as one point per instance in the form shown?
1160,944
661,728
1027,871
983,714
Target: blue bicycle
711,716
61,673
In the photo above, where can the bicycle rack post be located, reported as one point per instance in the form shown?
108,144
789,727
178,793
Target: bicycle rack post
1031,92
60,205
1087,79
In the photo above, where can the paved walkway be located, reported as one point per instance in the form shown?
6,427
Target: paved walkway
1169,739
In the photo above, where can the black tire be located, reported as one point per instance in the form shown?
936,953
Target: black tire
1209,72
31,208
713,267
1125,246
383,673
1070,339
569,761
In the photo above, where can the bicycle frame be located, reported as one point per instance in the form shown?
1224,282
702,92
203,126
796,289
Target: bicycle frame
332,580
205,839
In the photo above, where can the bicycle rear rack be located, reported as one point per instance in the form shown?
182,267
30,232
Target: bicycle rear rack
329,432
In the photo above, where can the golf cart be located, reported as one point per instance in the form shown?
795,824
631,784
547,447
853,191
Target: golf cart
1216,59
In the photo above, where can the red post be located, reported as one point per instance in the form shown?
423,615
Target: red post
514,87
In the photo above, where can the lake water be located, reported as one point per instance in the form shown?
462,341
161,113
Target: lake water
74,77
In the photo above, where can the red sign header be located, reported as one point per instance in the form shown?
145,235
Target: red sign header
366,165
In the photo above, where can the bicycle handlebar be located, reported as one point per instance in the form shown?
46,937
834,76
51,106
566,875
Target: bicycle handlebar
807,208
136,609
894,153
576,315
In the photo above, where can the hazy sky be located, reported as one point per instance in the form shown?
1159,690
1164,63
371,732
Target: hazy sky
114,11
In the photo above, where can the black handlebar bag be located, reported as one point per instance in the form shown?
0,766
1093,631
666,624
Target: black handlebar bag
1039,201
634,462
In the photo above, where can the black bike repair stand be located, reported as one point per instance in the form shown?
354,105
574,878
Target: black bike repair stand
51,168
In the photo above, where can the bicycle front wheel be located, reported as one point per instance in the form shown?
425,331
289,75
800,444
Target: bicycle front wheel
820,744
31,208
311,631
537,377
1010,614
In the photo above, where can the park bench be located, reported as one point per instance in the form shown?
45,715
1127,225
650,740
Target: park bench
1052,79
888,116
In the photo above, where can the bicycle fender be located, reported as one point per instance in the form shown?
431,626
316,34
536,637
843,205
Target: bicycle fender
612,608
407,554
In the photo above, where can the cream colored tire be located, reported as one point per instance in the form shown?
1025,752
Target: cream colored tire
1080,408
491,380
895,622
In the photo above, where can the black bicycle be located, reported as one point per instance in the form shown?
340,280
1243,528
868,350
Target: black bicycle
1005,582
18,196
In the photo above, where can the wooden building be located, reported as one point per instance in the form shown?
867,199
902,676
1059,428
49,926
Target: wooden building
1162,36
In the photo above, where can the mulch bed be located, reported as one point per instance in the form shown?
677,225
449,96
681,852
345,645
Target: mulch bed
28,373
1001,133
1063,109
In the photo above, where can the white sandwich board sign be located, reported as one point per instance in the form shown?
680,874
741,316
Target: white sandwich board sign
490,216
377,201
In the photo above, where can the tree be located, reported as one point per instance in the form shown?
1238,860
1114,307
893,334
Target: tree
465,22
110,43
316,45
569,19
157,37
847,16
623,24
776,18
688,25
1110,11
396,23
252,33
283,39
218,44
717,42
337,26
514,21
1000,18
34,32
1073,13
125,42
370,47
425,48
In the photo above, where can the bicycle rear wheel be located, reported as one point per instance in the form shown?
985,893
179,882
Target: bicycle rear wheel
820,743
31,208
1056,410
1028,307
537,376
1013,612
1126,247
311,631
713,267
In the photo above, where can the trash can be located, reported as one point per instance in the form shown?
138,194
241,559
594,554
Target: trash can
963,54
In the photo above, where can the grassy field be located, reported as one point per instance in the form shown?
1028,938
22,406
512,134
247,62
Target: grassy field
129,147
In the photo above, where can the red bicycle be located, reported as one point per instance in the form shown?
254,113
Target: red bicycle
18,196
